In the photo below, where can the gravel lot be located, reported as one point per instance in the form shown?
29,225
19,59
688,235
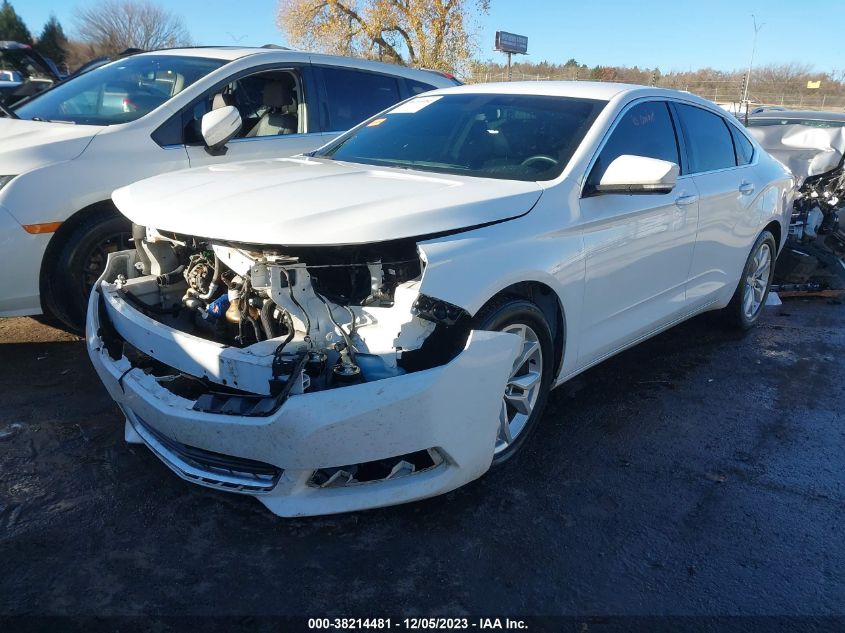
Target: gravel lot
700,473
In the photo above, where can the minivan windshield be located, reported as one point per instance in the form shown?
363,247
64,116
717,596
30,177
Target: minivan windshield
505,136
119,92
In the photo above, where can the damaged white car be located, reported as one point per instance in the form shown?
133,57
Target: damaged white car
382,320
812,146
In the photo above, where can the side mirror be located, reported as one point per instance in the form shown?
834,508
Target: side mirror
218,127
638,174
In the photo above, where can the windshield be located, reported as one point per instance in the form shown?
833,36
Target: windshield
514,137
119,92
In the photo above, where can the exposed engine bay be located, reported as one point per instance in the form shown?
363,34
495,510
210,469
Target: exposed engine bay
815,153
319,317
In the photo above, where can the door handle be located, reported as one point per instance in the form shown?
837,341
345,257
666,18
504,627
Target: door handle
746,188
685,200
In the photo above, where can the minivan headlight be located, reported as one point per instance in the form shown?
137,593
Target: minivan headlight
4,180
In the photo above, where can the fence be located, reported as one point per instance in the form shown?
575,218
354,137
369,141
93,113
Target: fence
718,90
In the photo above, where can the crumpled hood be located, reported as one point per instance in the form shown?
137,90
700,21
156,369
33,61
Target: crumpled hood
805,150
25,145
306,201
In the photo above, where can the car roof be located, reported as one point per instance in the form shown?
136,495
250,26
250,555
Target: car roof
231,53
9,45
808,115
601,90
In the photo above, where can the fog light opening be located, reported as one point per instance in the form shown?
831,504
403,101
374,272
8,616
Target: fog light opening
379,470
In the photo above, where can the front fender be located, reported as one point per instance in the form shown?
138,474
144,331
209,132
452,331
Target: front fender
113,158
470,268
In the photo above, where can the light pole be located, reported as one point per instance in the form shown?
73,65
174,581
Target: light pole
751,61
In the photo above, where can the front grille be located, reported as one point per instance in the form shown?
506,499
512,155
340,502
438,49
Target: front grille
216,470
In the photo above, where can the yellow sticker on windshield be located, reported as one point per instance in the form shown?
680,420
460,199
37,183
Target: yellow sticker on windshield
412,106
376,122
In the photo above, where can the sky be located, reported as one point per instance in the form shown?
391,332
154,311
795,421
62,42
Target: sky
668,34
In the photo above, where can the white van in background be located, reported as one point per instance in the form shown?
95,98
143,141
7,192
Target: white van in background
63,152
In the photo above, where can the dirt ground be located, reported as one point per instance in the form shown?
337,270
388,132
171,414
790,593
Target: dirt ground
700,473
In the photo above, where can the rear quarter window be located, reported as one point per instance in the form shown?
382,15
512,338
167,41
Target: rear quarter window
742,146
418,87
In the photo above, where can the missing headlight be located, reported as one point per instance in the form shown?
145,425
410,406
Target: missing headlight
438,311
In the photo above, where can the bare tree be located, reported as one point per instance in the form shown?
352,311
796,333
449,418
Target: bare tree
112,26
434,34
777,75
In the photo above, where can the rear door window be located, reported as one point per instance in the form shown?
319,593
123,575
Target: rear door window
646,129
708,140
354,95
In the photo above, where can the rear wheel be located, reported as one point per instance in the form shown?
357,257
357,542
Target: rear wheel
750,296
80,261
530,376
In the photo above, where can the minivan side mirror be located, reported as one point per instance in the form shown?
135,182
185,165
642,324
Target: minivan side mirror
638,174
218,127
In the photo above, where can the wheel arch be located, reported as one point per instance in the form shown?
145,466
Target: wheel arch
549,303
776,230
58,241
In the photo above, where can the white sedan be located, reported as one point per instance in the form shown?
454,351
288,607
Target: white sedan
382,320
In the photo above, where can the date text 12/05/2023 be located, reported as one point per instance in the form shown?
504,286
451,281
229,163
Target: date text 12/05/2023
443,624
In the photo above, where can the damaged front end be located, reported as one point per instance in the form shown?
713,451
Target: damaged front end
288,372
320,317
814,151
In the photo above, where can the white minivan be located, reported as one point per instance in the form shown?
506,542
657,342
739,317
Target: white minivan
63,152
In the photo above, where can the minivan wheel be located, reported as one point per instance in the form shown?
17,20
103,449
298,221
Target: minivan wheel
751,293
79,263
530,377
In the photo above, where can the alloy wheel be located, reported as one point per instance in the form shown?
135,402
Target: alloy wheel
522,389
757,281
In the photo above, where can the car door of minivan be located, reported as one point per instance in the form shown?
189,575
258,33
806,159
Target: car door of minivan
726,193
638,247
275,104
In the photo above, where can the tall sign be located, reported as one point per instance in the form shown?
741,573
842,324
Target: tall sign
511,44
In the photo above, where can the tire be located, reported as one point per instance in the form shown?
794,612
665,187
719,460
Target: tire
79,261
751,293
523,317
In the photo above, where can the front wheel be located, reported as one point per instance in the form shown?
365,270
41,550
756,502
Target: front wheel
530,376
750,296
80,261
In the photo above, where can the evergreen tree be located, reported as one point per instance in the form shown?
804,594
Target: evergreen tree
11,25
52,42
